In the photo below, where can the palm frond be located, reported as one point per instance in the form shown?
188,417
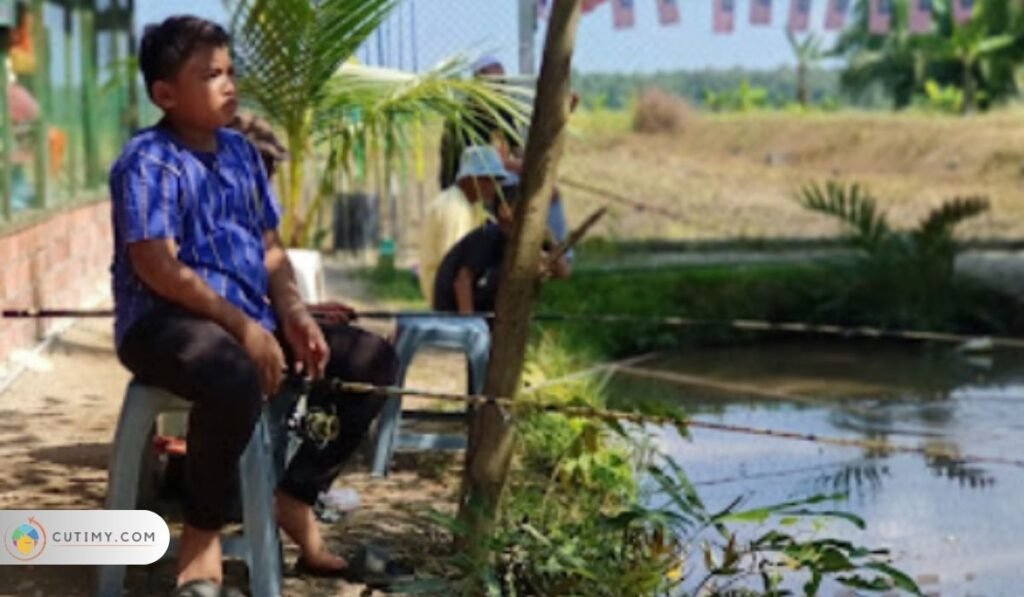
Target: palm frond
853,206
379,94
287,50
385,105
939,223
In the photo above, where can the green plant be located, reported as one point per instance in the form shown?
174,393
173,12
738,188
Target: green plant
979,56
947,99
743,98
581,534
906,277
593,509
970,45
807,53
291,56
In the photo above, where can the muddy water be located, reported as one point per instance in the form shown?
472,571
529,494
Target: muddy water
957,527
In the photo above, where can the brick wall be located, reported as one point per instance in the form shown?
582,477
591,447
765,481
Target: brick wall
61,261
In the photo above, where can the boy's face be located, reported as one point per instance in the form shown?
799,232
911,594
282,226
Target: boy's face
202,93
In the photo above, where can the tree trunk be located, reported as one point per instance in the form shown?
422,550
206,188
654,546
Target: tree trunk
491,437
801,83
969,88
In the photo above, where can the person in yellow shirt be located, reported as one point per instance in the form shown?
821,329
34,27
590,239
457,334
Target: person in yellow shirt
458,210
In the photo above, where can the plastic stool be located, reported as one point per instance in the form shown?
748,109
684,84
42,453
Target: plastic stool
259,545
470,336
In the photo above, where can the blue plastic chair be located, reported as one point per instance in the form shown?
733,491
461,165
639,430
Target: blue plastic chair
259,546
470,336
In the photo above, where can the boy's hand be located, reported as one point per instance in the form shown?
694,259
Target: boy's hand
334,313
307,343
263,349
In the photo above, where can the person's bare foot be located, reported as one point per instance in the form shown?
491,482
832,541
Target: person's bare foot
298,521
199,556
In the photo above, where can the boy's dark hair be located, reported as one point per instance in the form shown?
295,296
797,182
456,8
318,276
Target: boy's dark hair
167,46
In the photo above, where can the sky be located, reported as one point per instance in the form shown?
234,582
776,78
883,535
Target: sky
447,27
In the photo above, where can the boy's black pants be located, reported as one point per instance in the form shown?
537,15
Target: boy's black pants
201,362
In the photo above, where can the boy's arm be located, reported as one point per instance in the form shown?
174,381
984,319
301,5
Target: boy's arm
464,291
284,290
300,329
155,262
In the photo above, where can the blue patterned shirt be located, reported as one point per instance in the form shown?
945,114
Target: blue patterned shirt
216,207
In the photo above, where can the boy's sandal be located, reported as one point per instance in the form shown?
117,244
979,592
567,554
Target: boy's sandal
370,566
205,588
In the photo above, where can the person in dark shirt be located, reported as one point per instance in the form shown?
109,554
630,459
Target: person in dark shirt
467,280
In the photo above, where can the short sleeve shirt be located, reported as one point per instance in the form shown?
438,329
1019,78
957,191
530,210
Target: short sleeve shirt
449,217
215,206
481,252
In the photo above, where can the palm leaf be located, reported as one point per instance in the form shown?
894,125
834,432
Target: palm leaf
853,206
287,51
940,221
386,105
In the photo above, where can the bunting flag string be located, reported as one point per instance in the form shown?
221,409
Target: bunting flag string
760,12
920,16
799,15
724,16
962,10
835,14
880,18
623,14
668,12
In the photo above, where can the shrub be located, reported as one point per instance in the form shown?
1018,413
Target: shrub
593,508
899,278
658,112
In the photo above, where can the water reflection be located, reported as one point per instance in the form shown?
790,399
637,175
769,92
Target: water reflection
942,516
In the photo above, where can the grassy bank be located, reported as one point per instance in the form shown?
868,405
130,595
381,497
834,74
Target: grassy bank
836,293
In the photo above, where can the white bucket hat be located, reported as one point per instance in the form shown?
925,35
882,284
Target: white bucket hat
482,161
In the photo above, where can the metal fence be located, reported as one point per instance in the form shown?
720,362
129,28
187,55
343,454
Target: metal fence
419,33
67,105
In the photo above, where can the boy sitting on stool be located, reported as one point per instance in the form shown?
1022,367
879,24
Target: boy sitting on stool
206,301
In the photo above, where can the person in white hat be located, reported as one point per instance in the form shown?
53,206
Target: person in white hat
458,209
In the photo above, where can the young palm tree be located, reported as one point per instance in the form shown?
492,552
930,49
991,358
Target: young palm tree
970,45
808,52
292,57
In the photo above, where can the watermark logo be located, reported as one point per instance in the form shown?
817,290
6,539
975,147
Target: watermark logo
82,537
26,541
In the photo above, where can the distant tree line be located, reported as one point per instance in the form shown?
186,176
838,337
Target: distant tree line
616,90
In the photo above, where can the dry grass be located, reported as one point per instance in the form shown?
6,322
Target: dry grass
733,175
657,112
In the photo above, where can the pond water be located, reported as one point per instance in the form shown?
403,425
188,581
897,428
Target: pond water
957,527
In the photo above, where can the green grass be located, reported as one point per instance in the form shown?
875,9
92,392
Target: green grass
397,287
824,293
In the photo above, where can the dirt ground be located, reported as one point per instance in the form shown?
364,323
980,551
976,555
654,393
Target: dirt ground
56,423
733,176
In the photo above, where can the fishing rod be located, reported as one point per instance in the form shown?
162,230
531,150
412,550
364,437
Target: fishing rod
747,325
637,205
682,423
